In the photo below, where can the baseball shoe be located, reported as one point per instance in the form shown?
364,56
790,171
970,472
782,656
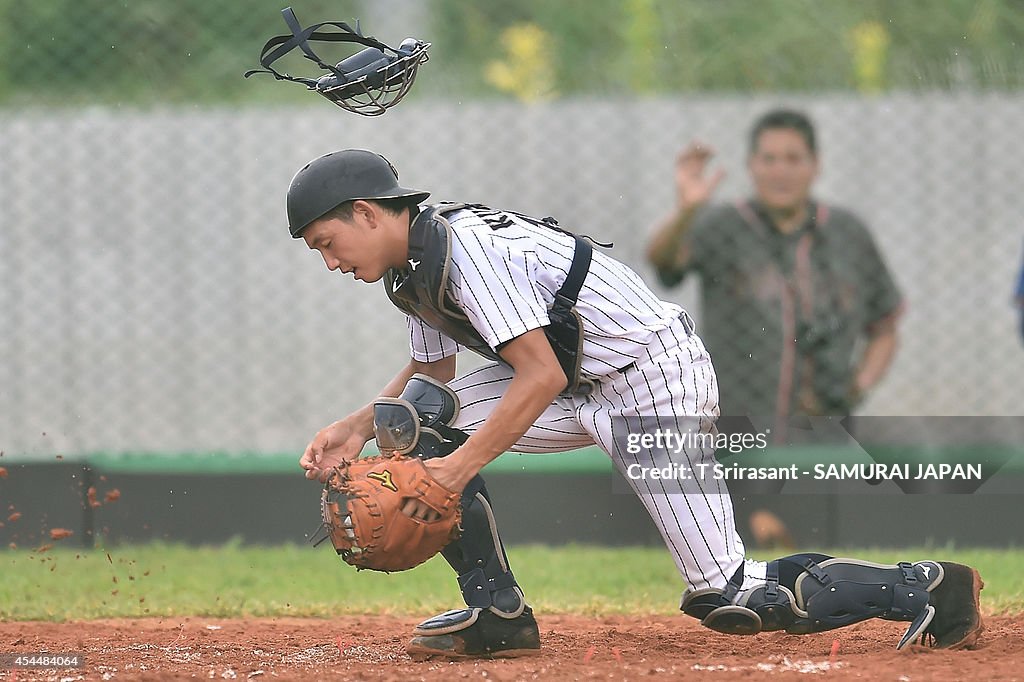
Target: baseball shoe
957,621
475,633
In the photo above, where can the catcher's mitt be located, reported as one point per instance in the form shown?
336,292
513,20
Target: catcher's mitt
362,513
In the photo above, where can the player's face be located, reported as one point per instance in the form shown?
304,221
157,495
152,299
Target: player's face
351,246
783,169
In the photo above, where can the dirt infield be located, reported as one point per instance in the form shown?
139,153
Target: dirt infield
617,648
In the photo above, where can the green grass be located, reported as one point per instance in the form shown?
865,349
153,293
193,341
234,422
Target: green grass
236,581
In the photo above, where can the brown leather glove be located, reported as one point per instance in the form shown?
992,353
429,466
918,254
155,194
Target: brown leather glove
362,512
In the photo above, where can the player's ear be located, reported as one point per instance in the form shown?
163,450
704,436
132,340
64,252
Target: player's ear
365,211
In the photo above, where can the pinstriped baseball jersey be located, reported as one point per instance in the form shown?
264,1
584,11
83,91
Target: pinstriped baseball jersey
505,272
648,363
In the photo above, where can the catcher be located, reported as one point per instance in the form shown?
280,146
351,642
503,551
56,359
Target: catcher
582,353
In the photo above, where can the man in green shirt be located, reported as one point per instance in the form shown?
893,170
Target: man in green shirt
798,308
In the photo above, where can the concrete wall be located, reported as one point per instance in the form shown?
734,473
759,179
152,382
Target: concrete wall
151,300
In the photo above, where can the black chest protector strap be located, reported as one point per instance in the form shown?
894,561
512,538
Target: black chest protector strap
565,331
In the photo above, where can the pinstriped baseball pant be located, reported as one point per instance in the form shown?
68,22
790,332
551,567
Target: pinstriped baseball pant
674,379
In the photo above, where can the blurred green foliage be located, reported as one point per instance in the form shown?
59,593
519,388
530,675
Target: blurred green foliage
146,51
149,51
644,46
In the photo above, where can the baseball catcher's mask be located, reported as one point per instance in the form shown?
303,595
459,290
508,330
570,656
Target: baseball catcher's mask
369,82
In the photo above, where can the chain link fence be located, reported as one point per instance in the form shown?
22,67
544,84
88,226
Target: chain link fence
151,300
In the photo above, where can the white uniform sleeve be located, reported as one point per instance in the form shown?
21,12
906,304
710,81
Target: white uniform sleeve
426,344
496,285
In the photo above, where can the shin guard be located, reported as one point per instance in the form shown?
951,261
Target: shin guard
479,558
806,593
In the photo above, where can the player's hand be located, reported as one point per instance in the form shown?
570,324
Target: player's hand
331,445
450,473
693,187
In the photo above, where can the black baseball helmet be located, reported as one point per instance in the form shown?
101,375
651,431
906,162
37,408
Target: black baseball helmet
342,176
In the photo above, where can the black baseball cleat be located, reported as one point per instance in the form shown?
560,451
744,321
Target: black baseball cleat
952,619
475,633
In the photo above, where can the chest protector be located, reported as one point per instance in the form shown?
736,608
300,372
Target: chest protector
421,290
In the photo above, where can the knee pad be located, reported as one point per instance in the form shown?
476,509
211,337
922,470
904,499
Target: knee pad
765,607
806,593
419,421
